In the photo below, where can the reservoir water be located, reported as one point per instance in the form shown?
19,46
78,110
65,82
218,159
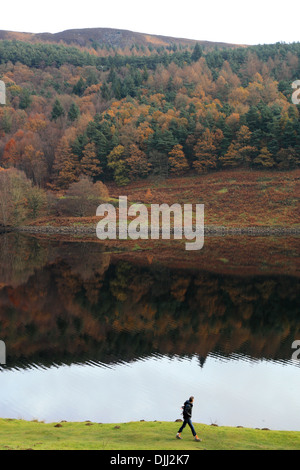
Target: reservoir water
109,336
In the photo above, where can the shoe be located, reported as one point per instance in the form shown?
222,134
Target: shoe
197,439
178,436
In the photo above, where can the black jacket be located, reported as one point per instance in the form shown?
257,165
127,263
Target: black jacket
187,409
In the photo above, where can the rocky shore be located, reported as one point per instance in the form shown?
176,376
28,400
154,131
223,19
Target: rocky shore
208,230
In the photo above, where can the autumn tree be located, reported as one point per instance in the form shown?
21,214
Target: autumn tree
6,202
177,161
264,159
90,164
137,162
10,154
240,151
19,199
117,163
82,198
36,201
205,152
101,190
34,165
66,167
287,159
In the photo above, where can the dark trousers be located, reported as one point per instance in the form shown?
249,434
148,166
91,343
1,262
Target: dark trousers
189,422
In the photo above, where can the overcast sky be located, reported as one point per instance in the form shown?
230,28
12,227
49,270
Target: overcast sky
233,21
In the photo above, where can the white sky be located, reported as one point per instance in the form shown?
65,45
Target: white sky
234,21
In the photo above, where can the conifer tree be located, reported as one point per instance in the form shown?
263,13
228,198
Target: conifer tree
116,162
240,151
90,164
74,112
177,161
205,153
57,110
264,159
66,168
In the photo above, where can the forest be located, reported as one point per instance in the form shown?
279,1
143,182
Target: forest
119,115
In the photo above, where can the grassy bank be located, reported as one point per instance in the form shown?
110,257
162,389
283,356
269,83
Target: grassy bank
235,198
21,435
232,199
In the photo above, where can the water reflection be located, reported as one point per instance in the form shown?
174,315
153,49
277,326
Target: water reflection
251,394
82,324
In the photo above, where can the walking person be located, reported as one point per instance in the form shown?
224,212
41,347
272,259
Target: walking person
187,419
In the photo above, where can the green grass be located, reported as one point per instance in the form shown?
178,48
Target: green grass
223,191
20,435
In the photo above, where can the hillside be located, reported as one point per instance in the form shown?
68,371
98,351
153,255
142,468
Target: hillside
118,38
131,109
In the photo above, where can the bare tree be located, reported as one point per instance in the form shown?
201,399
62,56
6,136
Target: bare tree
82,198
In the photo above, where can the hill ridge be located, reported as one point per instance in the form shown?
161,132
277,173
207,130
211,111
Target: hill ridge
111,36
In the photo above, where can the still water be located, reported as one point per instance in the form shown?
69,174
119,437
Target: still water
93,334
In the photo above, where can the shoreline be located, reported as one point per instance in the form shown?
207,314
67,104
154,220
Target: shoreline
149,421
208,230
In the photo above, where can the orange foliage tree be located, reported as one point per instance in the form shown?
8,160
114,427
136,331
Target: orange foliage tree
206,151
90,164
137,162
66,167
177,161
240,151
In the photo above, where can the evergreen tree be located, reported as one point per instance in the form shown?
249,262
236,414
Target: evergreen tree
79,87
25,99
105,91
264,159
197,52
57,110
74,112
240,151
289,135
287,159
